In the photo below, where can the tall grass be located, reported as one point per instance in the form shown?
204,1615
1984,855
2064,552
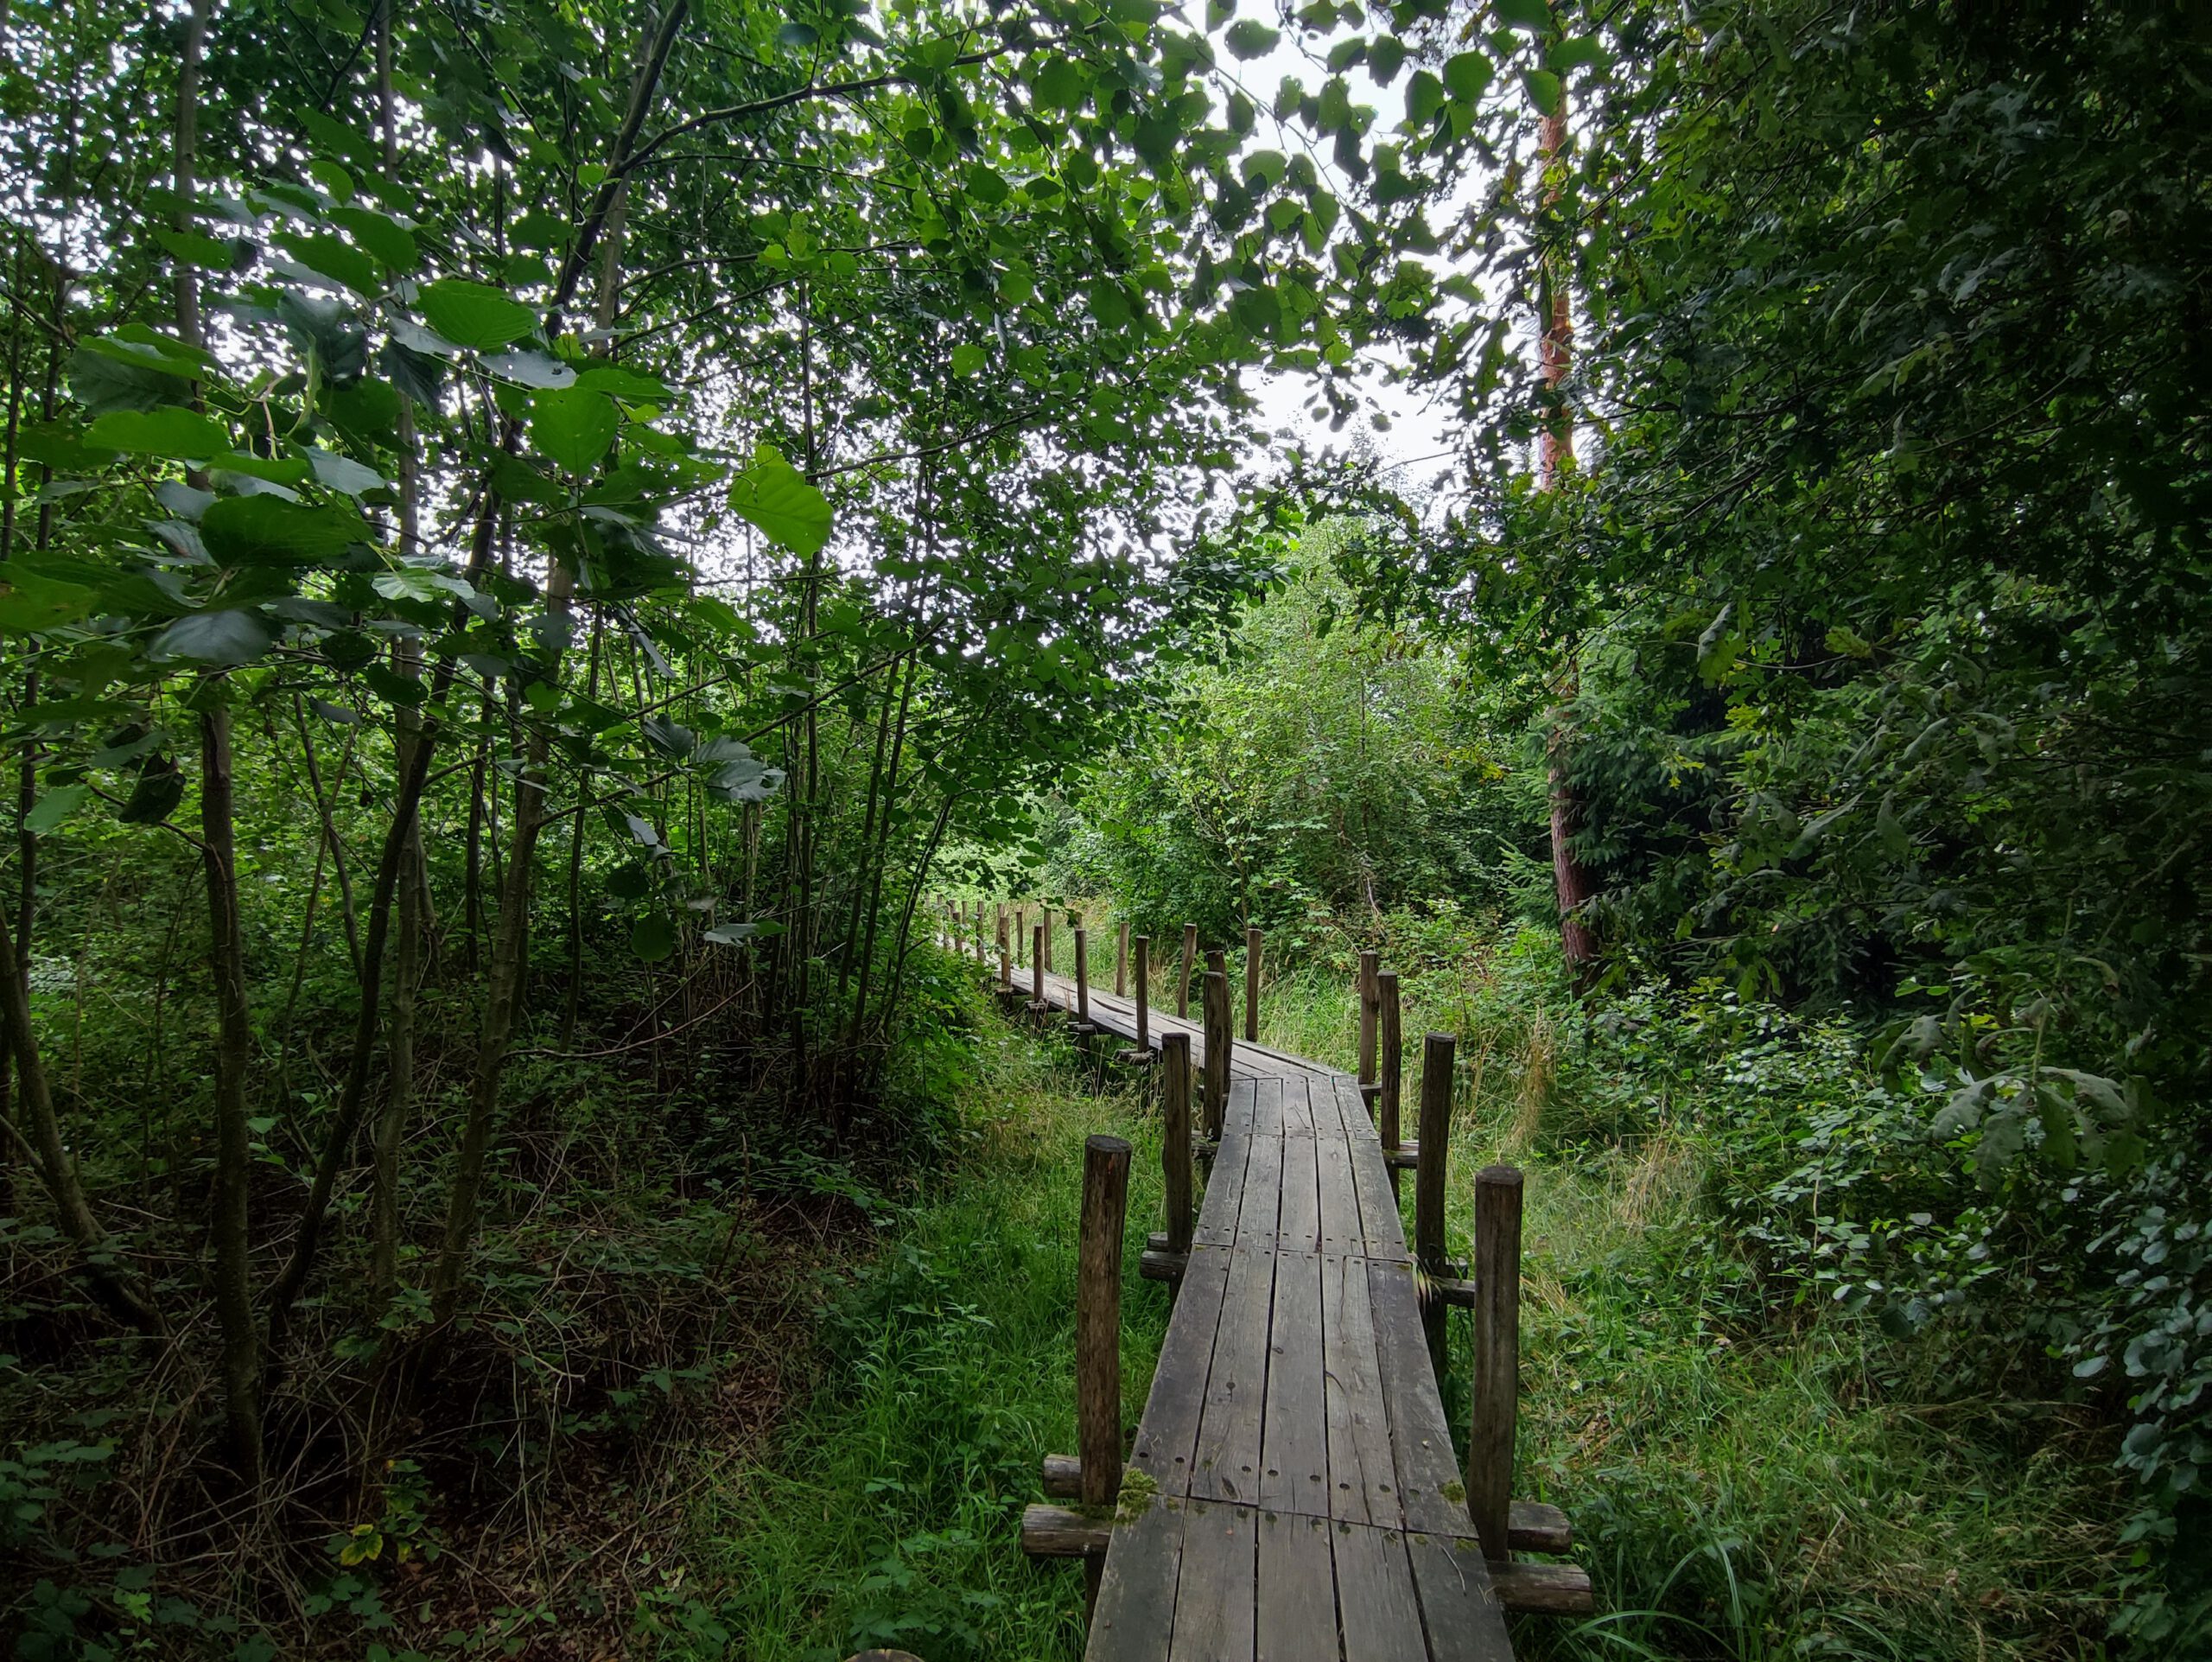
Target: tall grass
887,1513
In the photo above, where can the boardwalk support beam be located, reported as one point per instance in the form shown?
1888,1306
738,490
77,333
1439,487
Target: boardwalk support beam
1098,1324
1389,1089
1218,1045
1369,967
1083,1027
1251,985
1175,1148
1428,1181
1497,1353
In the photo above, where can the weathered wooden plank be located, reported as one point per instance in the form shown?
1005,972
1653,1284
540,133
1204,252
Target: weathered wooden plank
1296,1621
1351,1111
1298,1107
1214,1595
1298,1224
1376,1601
1460,1614
1267,1107
1136,1593
1227,1465
1342,1230
1429,1489
1294,1443
1381,1224
1362,1473
1226,1188
1548,1590
1256,1218
1168,1435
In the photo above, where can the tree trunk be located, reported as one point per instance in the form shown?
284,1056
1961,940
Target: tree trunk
1570,879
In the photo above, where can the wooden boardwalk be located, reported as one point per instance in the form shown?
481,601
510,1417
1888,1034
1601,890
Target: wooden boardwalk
1298,1500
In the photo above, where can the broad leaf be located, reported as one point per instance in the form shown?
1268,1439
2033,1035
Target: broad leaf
776,499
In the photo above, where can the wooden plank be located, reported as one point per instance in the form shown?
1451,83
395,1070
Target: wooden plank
1297,1616
1297,1107
1341,1229
1224,1201
1298,1224
1167,1437
1267,1107
1376,1601
1262,1199
1136,1593
1460,1612
1215,1592
1295,1440
1363,1474
1381,1224
1420,1442
1227,1465
1351,1111
1548,1589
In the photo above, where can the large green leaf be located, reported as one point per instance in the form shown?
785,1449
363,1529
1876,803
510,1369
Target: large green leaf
572,428
266,530
775,499
177,434
475,314
224,638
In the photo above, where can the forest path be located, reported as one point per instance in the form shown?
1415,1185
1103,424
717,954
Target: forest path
1300,1499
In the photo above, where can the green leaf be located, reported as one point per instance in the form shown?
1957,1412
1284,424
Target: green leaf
225,638
167,431
1525,14
573,429
731,935
1249,40
264,530
475,315
1544,89
968,359
391,242
54,806
653,938
530,368
631,386
153,799
341,473
1424,98
773,497
339,260
1467,75
194,248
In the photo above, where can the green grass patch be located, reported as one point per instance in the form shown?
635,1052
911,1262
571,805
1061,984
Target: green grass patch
888,1513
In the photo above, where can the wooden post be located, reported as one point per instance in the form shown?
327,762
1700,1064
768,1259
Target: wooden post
1051,962
1175,1114
1037,975
1428,1181
1190,963
1006,953
1081,980
1389,1089
1368,967
1020,930
1251,985
1218,1045
1098,1326
1121,959
1144,1013
1497,1354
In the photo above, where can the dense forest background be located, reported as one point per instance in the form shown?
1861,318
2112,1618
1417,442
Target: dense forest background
538,541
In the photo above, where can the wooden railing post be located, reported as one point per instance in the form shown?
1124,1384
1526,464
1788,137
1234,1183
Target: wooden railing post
1098,1326
1428,1181
1251,985
1006,953
1052,961
1218,1046
1369,968
1037,1004
1143,1046
1175,1148
1390,1087
1082,981
1190,964
1497,1354
1121,959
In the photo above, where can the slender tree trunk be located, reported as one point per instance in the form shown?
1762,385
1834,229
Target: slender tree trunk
57,1170
1571,878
